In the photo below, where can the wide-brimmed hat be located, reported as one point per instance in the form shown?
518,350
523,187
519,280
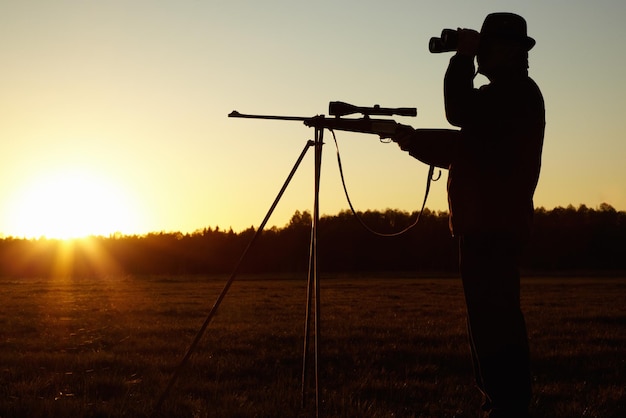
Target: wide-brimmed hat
506,26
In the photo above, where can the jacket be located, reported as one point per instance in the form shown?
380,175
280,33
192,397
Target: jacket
495,166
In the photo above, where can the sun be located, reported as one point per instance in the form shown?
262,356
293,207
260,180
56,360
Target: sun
71,204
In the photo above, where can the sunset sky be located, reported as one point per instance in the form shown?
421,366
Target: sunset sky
114,113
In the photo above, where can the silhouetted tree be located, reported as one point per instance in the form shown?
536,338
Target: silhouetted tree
563,240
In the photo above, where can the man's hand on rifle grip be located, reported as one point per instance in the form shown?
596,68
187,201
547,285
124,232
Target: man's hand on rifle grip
403,136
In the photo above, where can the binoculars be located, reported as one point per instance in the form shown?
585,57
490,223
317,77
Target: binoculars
448,41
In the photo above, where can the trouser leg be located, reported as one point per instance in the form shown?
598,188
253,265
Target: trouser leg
496,326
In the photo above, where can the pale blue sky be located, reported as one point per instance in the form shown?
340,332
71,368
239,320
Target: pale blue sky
133,97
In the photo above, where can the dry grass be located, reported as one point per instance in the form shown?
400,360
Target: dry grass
391,347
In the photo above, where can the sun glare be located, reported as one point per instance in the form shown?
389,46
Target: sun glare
71,204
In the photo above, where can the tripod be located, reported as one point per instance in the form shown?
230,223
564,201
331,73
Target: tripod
313,287
384,128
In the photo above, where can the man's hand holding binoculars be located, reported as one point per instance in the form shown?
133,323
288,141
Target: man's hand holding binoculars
468,41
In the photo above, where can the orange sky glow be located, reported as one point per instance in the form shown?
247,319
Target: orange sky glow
115,113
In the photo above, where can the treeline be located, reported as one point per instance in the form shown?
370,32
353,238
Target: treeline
564,240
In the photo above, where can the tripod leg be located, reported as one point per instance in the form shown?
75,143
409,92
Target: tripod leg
307,321
230,281
313,289
316,217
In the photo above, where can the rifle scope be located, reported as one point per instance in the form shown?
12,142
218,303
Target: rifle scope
343,109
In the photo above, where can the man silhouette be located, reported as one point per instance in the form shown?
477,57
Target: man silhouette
494,163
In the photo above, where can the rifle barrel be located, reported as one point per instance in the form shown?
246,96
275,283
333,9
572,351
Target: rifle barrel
235,114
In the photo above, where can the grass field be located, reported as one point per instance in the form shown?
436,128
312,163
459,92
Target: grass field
390,347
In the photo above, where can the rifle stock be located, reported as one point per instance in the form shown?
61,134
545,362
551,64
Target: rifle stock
384,128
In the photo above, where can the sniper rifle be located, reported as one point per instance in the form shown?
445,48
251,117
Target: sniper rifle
384,128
